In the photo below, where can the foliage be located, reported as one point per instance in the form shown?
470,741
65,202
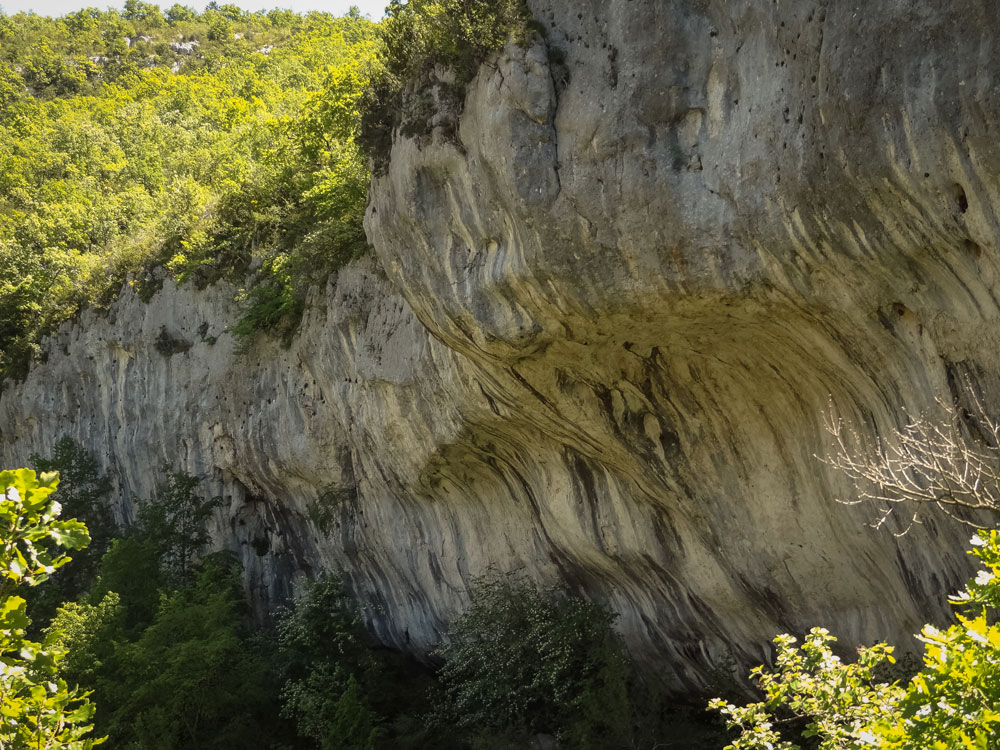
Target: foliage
37,708
30,525
210,144
86,632
83,494
951,703
168,345
416,36
165,640
190,679
954,701
325,649
352,724
130,570
344,691
834,701
524,660
173,523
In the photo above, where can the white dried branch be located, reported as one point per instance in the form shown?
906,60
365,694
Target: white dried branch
930,462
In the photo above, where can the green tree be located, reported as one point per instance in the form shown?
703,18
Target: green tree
190,679
343,690
88,634
130,569
149,14
326,650
169,657
84,494
525,660
174,523
178,13
37,708
220,26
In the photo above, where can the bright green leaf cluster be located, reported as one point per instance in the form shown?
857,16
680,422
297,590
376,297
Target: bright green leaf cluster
952,703
37,708
30,528
836,702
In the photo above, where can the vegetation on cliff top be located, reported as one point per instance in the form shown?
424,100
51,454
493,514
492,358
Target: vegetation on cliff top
418,36
225,144
211,144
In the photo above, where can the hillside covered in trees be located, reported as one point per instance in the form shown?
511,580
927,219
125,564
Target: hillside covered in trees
203,146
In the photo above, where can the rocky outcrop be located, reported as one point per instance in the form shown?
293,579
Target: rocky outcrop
604,327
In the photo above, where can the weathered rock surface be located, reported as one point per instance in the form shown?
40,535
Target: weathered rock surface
611,319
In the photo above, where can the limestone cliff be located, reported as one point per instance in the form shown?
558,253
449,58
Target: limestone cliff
601,331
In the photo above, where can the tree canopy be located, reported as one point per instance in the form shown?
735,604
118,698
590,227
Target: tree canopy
208,144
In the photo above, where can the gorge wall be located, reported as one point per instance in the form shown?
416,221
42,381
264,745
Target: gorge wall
606,315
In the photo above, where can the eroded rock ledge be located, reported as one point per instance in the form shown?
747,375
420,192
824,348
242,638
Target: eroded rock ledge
611,319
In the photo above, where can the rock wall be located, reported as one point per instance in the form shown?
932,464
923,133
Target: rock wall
600,334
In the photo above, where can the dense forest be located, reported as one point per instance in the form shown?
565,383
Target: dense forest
237,147
208,146
226,144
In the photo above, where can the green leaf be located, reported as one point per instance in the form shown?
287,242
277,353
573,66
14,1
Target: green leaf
70,534
13,615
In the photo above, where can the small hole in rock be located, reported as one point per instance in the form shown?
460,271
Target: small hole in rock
960,198
973,248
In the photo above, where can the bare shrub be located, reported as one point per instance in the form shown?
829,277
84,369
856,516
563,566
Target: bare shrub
948,460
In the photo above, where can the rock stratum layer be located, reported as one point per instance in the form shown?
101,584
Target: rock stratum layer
606,319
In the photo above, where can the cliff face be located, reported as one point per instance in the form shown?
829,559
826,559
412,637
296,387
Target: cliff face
604,327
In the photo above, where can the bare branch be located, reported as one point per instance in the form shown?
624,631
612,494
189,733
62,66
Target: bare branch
951,463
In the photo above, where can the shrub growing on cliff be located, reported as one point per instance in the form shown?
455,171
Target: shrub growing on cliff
417,35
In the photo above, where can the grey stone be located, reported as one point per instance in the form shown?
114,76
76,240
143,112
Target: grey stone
604,329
